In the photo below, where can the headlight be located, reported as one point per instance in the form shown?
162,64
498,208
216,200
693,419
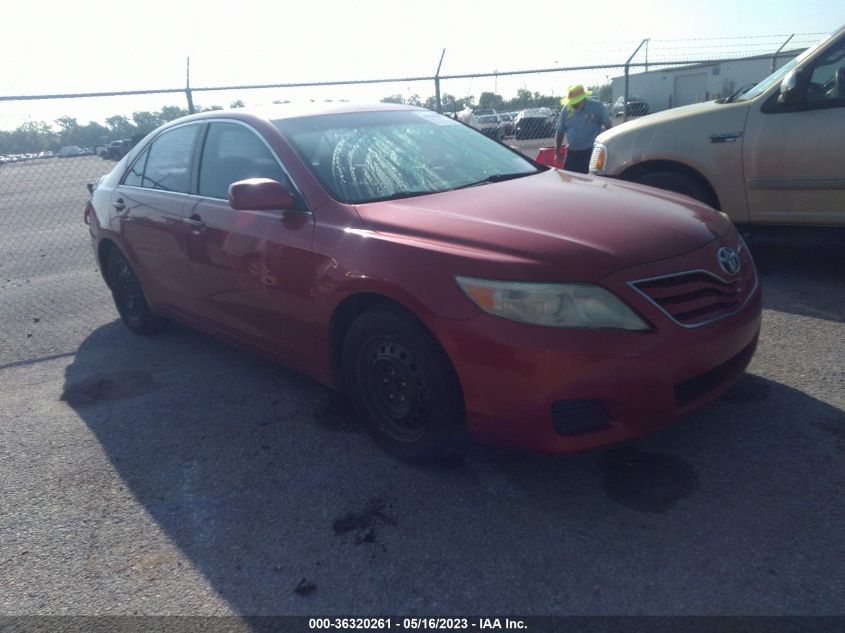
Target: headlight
598,159
557,305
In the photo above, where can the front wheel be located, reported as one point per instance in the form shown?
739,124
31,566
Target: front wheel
676,182
129,297
403,387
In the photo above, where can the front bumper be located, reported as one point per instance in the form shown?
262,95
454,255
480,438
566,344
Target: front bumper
521,382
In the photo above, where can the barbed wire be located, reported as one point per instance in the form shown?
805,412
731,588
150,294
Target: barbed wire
737,37
749,47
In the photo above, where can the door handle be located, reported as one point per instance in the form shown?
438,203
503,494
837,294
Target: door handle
195,223
119,205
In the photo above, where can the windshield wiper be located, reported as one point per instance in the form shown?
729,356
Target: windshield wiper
498,178
397,195
739,92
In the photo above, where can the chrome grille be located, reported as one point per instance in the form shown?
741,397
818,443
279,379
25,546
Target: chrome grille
697,297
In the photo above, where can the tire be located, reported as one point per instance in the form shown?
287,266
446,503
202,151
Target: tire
403,388
676,182
129,297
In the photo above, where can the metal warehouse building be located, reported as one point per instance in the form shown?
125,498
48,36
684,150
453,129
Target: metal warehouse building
671,87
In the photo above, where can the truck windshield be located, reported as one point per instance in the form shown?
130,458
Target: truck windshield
779,74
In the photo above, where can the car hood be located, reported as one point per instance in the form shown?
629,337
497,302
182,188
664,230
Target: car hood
719,113
565,226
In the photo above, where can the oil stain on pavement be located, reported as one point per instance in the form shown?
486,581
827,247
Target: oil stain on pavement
108,388
646,482
362,524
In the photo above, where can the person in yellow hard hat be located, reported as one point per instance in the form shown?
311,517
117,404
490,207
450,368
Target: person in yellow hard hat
582,119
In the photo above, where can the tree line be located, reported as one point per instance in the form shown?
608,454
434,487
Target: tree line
524,99
38,136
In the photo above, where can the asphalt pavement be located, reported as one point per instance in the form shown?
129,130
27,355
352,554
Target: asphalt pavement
177,475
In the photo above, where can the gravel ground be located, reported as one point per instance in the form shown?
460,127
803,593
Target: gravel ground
177,475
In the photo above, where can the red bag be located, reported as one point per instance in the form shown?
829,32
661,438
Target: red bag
546,156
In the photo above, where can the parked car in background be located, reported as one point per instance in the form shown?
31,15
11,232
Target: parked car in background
507,123
534,123
445,282
485,120
117,149
636,107
769,155
489,125
69,151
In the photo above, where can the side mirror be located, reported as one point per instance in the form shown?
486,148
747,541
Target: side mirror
789,93
259,194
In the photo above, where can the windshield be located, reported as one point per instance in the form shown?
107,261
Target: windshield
778,75
368,156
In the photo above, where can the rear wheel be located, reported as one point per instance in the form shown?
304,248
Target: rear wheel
403,387
677,182
129,296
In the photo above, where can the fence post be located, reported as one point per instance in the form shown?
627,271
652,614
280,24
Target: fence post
438,106
188,94
627,73
625,95
775,56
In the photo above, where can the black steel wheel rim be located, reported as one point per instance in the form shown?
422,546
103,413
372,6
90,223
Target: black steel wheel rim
130,298
396,390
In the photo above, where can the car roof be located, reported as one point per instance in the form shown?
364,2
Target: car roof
277,112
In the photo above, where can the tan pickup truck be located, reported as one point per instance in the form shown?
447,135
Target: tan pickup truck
774,154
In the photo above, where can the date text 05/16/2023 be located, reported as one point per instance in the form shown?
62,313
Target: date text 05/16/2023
416,624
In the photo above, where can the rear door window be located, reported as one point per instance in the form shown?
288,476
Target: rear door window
135,176
169,160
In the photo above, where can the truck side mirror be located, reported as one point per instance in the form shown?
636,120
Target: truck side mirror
789,93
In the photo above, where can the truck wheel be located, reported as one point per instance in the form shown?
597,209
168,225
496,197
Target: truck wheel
676,182
129,297
403,387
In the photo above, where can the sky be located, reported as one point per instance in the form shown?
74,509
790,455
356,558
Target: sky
52,47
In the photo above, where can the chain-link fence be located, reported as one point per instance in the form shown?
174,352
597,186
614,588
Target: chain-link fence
48,274
47,270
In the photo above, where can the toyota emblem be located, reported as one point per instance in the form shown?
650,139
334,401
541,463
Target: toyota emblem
729,260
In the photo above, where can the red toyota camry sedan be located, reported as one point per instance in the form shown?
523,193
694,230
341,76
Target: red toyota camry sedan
450,286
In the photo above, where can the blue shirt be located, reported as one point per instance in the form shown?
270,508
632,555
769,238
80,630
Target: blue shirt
583,126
